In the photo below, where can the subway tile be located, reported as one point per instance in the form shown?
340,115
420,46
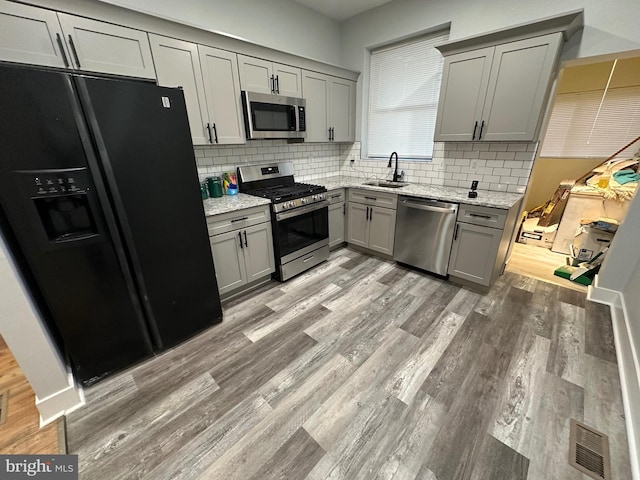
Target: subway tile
495,163
471,154
453,169
484,171
498,147
509,180
525,156
488,155
512,164
460,176
502,171
520,172
532,147
517,147
498,187
462,162
481,146
516,188
523,181
490,179
506,155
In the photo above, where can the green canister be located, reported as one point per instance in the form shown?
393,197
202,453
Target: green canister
215,187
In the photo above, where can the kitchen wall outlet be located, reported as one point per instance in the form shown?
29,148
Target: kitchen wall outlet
353,160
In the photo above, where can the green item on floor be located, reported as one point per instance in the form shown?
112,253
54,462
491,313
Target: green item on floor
565,271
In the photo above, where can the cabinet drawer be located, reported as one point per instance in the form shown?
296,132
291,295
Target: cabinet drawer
336,196
226,222
371,197
486,216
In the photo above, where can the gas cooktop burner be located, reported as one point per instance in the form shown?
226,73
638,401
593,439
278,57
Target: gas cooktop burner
281,193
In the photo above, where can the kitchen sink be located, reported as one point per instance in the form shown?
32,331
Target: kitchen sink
386,183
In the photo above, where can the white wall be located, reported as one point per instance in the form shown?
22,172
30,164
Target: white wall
30,344
280,24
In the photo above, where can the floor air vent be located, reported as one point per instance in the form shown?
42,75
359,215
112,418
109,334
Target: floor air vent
4,398
589,451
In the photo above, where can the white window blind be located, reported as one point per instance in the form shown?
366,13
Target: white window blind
403,97
593,124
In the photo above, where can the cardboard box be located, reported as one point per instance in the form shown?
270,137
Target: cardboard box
532,234
588,242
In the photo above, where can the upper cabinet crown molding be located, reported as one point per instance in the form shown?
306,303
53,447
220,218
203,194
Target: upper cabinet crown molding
567,23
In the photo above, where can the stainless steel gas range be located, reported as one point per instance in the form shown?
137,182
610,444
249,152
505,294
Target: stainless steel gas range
299,216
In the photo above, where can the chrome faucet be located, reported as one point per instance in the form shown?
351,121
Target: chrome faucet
396,175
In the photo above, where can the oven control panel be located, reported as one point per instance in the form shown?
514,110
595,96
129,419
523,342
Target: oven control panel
299,202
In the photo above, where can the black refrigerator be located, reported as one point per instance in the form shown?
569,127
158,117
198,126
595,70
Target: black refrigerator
101,207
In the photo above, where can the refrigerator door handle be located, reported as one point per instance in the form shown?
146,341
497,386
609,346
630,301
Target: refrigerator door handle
120,236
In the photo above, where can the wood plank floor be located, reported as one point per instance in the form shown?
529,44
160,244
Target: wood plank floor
363,369
540,263
21,433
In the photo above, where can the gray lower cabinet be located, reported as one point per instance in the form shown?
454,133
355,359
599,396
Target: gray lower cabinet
242,248
371,225
474,252
481,242
337,215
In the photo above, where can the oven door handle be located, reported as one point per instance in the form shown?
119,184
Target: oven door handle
302,210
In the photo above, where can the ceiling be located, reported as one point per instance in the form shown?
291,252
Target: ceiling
341,9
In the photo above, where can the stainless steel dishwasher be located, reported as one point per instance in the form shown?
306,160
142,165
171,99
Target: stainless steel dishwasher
424,233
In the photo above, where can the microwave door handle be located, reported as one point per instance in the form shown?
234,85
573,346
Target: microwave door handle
296,118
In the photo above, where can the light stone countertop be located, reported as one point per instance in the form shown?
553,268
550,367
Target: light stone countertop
231,203
485,198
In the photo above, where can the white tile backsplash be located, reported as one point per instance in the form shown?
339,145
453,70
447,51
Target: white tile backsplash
498,166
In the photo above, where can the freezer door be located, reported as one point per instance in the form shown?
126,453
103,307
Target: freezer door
141,132
60,235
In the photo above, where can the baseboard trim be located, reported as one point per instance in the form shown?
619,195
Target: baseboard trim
628,368
60,403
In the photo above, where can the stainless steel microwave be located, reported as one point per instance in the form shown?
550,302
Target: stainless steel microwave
273,116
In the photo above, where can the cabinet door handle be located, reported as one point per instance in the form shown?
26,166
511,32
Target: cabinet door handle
209,131
215,132
481,128
277,84
371,198
240,238
475,127
61,46
371,214
329,133
455,235
335,196
344,209
366,216
239,219
273,84
74,51
488,217
245,239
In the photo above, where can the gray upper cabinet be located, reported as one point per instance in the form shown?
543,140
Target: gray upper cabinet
331,105
177,65
209,80
263,76
316,93
497,93
462,95
222,94
30,35
43,37
106,48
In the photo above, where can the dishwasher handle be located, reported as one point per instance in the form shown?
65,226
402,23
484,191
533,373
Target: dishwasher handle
429,208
